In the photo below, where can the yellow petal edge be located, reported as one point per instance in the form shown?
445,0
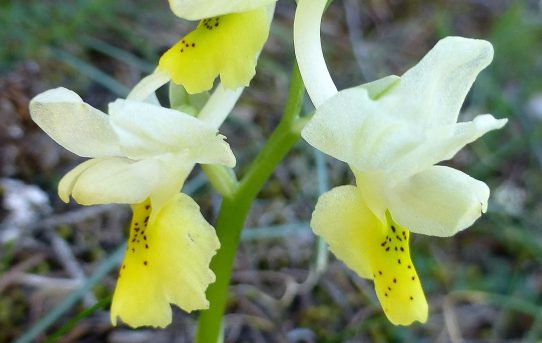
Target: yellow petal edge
227,45
374,250
167,261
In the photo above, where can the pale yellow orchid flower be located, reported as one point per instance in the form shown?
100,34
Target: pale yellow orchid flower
392,132
141,154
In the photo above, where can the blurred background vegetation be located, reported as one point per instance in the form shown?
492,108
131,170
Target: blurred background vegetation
58,261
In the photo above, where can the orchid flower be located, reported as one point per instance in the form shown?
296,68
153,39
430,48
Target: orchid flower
392,132
226,43
141,154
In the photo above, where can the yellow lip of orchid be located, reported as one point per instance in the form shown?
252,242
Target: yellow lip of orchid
392,132
226,45
167,261
374,250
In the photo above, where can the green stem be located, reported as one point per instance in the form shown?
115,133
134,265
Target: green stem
234,209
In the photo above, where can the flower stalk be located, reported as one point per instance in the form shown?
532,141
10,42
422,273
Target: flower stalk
234,209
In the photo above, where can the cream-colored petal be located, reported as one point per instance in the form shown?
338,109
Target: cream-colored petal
74,124
167,261
145,131
201,9
351,128
228,46
65,186
116,180
439,201
442,143
432,92
436,144
374,250
173,172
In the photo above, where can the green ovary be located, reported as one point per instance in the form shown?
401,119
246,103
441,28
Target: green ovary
227,46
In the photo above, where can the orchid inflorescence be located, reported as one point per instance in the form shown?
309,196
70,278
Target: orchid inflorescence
391,132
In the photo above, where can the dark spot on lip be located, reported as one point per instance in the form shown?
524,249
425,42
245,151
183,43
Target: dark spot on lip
413,278
385,294
402,249
411,298
399,261
394,280
145,262
193,44
380,272
388,249
409,266
149,206
393,228
389,288
146,246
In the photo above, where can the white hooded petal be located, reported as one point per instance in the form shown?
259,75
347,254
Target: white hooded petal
145,130
72,123
201,9
432,92
116,180
351,128
439,201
